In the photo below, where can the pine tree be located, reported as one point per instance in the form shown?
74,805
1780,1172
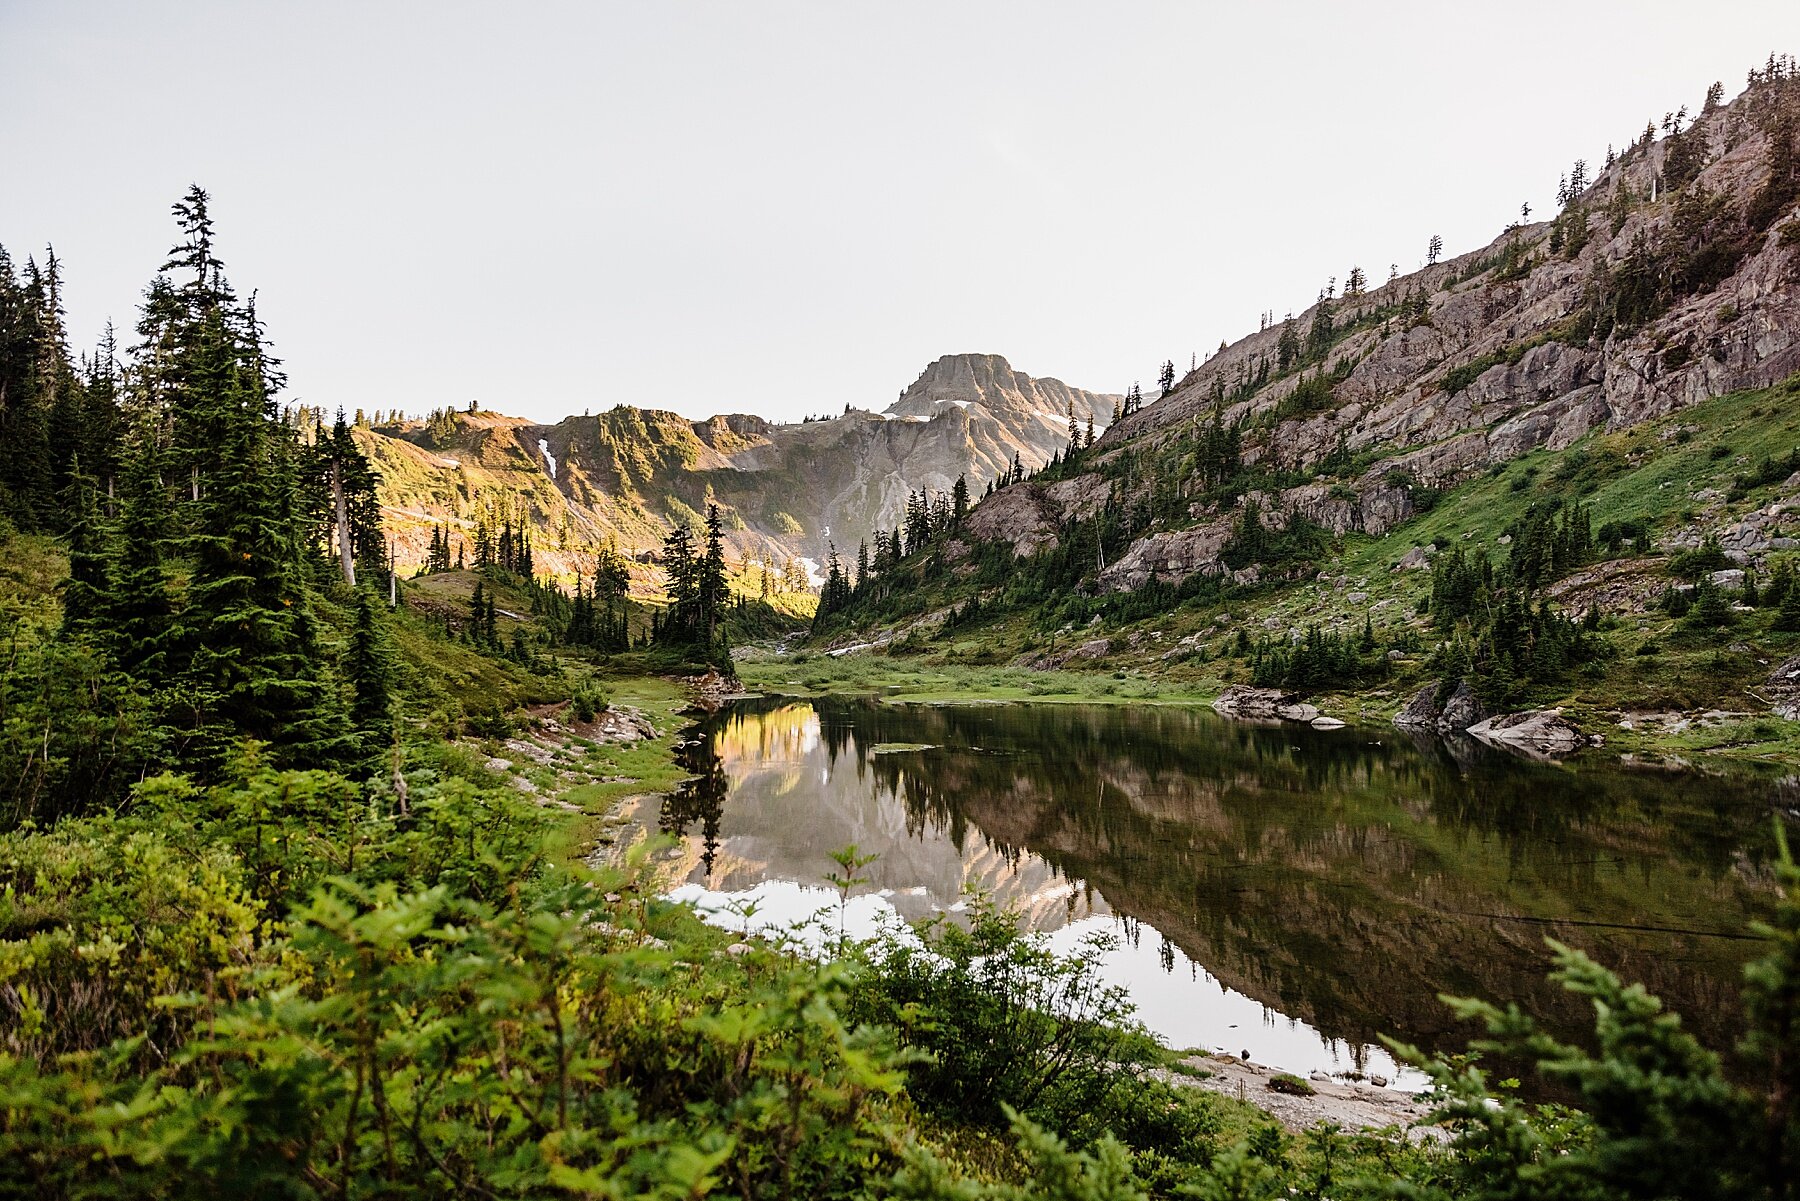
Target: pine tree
90,577
681,622
1433,250
1787,617
959,500
713,593
252,664
26,492
140,613
1287,347
372,677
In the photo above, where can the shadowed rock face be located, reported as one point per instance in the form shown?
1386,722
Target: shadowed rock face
787,490
1509,316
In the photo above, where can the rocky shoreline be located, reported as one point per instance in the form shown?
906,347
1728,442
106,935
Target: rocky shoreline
1351,1104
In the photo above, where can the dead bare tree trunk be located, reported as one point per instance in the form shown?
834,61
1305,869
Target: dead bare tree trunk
341,510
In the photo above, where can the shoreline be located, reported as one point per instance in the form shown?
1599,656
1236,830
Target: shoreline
1353,1105
1698,740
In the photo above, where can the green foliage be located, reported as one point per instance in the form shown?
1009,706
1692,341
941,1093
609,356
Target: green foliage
1322,659
588,701
1005,1025
1052,1172
1297,544
1497,638
1707,557
1287,1082
1658,1115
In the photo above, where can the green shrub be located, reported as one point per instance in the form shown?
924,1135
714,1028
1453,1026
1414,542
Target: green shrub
1287,1082
589,701
1002,1020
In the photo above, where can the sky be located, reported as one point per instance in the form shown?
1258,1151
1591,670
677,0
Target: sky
783,208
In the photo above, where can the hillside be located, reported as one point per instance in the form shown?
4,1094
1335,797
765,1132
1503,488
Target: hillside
1564,377
788,491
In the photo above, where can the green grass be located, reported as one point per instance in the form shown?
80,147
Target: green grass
1649,473
917,680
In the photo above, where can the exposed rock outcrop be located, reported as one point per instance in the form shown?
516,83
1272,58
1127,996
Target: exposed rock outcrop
1270,704
1784,689
1475,361
1458,711
1462,709
1539,733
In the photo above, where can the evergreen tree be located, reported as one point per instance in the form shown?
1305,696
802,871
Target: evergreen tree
1787,616
1287,347
252,666
372,677
89,582
1433,250
959,500
26,491
681,622
139,612
713,592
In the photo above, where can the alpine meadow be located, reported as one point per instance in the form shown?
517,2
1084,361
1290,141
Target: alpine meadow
1362,763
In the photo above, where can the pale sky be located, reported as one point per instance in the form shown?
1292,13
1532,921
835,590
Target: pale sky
783,208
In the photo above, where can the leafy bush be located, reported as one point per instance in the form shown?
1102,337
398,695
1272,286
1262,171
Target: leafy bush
1004,1024
589,701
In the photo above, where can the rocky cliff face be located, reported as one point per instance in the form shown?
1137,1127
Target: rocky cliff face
1672,278
788,491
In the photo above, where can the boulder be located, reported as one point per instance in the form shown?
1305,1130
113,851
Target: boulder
1538,733
1327,723
1416,559
1784,690
1421,713
1240,700
1462,710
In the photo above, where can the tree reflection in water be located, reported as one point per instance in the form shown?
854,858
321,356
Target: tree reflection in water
1342,878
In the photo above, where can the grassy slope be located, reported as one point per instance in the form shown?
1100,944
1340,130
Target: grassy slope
1652,472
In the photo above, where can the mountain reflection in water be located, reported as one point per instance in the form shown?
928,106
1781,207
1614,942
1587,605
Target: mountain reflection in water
1292,892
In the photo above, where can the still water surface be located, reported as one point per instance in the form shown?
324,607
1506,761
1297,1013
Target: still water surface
1279,890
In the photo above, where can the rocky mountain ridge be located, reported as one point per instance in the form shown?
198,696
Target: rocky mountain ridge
789,492
1673,277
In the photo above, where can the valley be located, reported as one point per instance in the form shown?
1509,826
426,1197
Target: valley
1364,766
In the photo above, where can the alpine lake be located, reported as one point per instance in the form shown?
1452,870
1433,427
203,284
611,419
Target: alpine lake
1272,890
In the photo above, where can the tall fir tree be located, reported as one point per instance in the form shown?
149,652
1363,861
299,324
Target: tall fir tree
370,668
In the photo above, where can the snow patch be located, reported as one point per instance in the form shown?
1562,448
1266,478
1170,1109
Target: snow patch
549,459
449,462
812,572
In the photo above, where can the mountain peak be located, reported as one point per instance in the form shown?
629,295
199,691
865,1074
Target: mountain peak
990,381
